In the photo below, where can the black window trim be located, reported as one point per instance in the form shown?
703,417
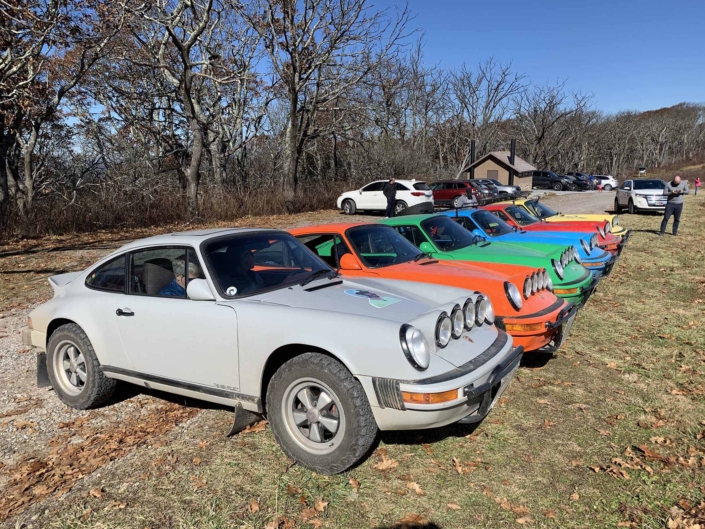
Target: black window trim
325,234
375,226
101,264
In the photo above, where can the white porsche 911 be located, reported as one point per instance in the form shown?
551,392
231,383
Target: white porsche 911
254,320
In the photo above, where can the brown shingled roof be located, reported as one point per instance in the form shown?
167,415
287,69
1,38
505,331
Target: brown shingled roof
503,158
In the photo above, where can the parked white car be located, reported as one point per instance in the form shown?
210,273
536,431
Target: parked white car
641,195
253,319
410,194
609,182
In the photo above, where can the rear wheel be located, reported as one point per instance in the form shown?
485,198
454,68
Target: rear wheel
632,208
399,207
617,207
320,414
456,202
608,187
558,186
74,370
349,207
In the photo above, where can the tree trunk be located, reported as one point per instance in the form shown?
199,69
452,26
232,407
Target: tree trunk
193,174
291,178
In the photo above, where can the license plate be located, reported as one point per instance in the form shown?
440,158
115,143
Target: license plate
565,331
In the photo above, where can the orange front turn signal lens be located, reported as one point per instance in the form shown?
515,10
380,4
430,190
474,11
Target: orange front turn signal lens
524,326
429,398
565,290
592,265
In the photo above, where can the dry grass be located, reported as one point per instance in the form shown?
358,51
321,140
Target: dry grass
609,433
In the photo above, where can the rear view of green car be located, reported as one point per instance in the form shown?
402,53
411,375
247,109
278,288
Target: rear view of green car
443,239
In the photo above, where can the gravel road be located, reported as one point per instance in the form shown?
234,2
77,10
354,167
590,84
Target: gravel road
33,420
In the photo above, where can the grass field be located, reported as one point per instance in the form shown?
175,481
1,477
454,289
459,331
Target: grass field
608,433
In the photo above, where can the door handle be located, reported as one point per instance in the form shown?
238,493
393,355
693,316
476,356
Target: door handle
126,312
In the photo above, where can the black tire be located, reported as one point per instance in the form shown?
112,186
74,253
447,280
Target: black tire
608,187
632,209
349,207
617,207
456,202
96,389
558,186
357,423
399,206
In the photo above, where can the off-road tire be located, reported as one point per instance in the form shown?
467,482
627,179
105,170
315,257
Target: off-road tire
349,207
632,208
558,186
617,207
98,388
361,428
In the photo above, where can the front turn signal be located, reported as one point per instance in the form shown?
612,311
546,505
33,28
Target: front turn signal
429,398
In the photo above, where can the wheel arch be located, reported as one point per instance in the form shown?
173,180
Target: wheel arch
282,355
55,324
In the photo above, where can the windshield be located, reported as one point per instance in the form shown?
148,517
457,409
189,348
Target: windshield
496,182
379,246
447,235
649,184
491,225
539,210
250,264
520,215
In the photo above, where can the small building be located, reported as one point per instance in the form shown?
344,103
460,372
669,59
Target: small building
497,165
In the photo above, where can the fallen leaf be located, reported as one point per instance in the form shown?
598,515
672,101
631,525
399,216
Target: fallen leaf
197,461
355,484
595,469
611,365
575,496
386,464
577,462
428,449
253,506
292,491
413,519
203,444
603,432
453,506
21,425
580,407
97,492
549,513
412,485
524,520
308,513
255,428
117,505
542,401
320,505
86,514
456,464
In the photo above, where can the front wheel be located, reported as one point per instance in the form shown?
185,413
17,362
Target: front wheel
632,208
617,207
349,207
320,414
456,202
74,370
608,187
558,186
399,207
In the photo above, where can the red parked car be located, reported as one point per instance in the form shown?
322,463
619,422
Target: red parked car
447,192
518,217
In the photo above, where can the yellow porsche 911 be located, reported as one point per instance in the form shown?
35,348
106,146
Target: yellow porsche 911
542,211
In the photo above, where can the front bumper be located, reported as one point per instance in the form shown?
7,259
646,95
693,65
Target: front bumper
480,382
534,335
588,291
33,338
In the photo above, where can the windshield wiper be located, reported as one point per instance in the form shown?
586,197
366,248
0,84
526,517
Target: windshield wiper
330,274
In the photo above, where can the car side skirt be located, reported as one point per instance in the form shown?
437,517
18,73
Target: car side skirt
187,389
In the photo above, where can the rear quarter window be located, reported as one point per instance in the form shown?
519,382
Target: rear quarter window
421,186
109,277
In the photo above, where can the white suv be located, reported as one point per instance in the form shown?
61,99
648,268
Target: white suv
410,194
609,182
641,195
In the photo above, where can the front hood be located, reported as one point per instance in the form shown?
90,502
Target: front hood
501,249
571,217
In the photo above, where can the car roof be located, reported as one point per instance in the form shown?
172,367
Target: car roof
406,219
193,238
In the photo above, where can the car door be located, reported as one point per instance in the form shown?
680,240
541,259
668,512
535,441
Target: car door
371,196
624,192
168,337
538,179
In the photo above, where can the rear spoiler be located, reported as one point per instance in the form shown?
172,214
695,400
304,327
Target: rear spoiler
59,282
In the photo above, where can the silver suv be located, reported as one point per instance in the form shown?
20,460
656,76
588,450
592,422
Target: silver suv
641,195
503,189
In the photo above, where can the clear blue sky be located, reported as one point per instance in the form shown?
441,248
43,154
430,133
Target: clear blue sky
632,55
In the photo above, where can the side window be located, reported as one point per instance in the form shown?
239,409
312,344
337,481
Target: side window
330,248
626,185
376,186
412,234
163,272
500,214
465,223
401,187
109,277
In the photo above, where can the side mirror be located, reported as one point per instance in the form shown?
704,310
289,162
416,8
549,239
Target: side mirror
348,262
360,191
426,247
198,290
627,188
478,233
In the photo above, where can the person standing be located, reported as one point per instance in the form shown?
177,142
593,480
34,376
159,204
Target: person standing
390,191
674,191
697,185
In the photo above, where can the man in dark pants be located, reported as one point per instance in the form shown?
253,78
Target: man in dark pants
390,191
674,191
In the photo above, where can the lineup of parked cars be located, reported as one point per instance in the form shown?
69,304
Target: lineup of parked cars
570,181
331,332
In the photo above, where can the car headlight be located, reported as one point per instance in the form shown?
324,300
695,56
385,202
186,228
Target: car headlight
415,347
544,279
549,282
489,313
444,330
564,258
480,310
534,283
527,287
558,267
457,318
601,231
513,295
576,256
585,246
608,227
593,241
469,313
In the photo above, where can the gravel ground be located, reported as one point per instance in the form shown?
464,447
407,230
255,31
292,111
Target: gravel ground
30,418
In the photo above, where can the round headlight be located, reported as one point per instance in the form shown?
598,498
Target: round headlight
458,320
601,231
489,313
564,258
608,227
527,287
593,241
513,295
469,313
534,283
558,267
585,246
444,330
576,256
415,347
480,310
544,279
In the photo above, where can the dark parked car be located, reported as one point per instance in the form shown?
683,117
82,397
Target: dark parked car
548,179
576,184
503,189
583,178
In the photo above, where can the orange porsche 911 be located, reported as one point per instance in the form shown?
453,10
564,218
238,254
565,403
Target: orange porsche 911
524,305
